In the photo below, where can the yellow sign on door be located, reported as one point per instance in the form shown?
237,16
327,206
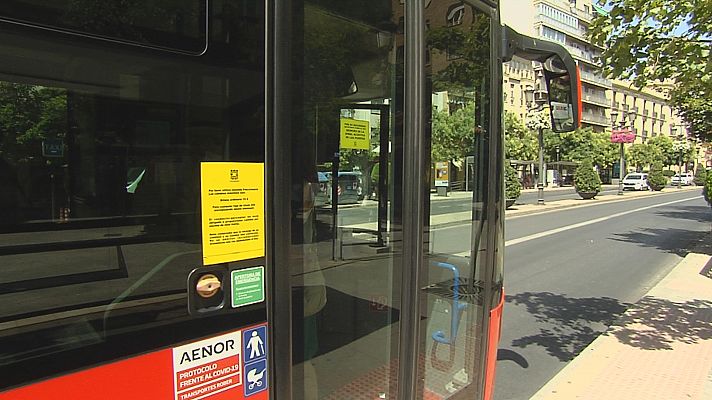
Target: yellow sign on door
232,206
355,134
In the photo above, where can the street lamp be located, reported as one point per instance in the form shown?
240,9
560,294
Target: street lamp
558,165
614,117
538,122
680,146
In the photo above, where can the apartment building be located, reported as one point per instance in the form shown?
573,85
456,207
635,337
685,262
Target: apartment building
565,22
648,111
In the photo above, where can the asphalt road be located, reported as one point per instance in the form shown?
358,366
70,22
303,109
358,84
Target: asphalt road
565,288
367,211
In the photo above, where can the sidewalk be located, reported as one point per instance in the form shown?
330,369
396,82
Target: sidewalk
661,348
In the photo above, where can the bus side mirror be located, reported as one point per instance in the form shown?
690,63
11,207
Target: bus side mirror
564,94
561,74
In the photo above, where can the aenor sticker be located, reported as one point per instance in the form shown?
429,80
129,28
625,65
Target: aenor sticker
208,367
229,366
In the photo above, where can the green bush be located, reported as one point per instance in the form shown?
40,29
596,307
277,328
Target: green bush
656,179
668,173
707,191
586,179
512,186
700,176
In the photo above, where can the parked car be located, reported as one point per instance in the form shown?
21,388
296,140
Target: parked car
322,193
637,181
350,189
685,178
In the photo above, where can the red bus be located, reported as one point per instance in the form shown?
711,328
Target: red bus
164,230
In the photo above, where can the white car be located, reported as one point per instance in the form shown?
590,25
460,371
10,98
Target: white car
685,179
636,181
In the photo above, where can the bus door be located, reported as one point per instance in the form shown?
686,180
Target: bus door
132,150
355,303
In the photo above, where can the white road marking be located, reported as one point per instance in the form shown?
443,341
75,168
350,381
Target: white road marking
593,221
539,235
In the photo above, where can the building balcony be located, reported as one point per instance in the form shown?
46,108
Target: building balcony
577,33
595,119
583,55
594,99
594,79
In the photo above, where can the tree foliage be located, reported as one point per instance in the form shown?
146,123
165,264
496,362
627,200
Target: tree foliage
467,50
707,190
28,115
643,155
656,179
580,145
700,175
665,146
453,134
586,179
662,41
520,143
512,186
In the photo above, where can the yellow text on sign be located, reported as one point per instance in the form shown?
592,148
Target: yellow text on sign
232,207
355,134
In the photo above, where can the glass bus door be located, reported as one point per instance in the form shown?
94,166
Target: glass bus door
349,140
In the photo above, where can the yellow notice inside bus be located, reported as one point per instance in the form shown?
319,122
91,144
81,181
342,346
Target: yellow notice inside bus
355,134
232,206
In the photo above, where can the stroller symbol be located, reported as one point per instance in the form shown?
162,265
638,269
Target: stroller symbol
254,378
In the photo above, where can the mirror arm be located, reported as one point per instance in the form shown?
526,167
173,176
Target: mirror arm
532,49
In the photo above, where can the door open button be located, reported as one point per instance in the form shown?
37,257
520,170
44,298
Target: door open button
208,285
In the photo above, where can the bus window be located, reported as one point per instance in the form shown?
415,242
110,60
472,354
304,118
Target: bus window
100,152
176,25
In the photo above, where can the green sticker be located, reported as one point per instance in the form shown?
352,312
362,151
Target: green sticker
248,286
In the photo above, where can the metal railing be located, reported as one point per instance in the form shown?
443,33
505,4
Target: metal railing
600,100
566,28
595,118
588,76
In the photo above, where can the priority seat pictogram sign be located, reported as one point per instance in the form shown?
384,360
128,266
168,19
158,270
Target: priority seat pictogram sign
254,353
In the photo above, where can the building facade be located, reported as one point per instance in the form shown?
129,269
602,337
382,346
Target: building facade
648,111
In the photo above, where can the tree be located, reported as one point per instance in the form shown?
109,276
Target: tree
662,41
700,175
453,134
520,143
665,145
707,190
583,144
586,179
512,186
643,155
28,115
656,179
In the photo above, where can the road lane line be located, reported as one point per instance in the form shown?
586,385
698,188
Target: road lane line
593,221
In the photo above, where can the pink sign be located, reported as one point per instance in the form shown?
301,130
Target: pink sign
622,136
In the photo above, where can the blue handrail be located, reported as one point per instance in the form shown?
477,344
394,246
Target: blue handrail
456,308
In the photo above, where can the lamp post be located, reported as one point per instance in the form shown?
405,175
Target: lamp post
614,117
558,165
538,121
680,146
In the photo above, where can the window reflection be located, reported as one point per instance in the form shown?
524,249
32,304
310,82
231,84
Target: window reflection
460,78
345,213
100,147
